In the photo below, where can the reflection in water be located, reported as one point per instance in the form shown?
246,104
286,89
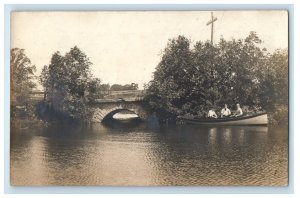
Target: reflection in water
139,154
124,116
241,137
227,135
212,136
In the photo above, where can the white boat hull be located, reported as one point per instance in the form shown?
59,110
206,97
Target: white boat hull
250,120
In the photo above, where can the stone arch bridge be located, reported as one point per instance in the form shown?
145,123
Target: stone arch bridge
118,101
112,103
103,110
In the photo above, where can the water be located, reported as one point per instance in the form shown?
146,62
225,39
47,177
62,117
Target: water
121,116
149,155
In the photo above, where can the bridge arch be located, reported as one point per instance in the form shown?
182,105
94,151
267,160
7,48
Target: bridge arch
113,112
104,112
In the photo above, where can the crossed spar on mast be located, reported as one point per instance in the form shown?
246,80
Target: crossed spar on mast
212,27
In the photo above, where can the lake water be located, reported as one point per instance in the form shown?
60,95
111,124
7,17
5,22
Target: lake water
149,154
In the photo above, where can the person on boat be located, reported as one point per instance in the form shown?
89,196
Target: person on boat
212,114
239,111
225,112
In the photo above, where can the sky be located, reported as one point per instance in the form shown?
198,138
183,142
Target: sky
125,47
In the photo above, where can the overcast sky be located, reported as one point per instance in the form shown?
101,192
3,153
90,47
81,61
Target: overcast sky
125,47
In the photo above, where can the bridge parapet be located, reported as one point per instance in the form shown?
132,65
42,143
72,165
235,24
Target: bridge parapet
110,96
130,95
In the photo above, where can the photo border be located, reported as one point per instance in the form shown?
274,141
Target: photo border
8,8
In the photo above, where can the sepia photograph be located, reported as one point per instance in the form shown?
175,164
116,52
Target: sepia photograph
149,98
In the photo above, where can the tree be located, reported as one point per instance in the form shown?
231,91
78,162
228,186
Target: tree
132,86
274,86
277,74
168,89
191,81
237,64
94,85
118,87
22,75
66,81
105,87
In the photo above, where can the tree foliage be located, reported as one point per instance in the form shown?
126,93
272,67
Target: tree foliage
66,81
193,80
118,87
22,76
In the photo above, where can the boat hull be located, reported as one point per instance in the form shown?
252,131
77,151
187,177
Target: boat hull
261,119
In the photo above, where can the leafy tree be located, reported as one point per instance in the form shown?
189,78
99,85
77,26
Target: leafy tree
66,81
105,87
191,81
132,86
168,90
276,72
94,85
22,75
237,65
117,87
103,90
274,86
